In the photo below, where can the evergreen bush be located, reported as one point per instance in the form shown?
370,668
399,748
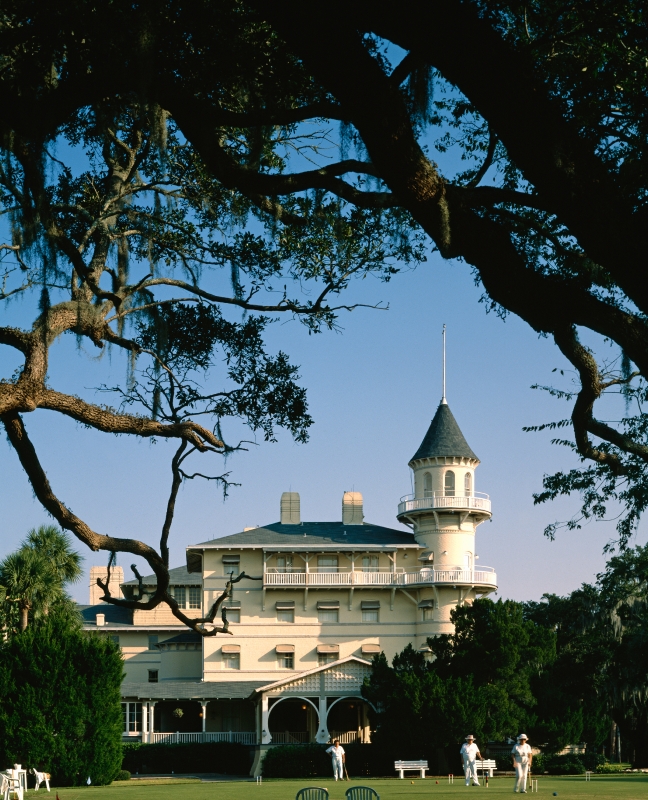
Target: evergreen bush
311,761
228,758
60,702
123,775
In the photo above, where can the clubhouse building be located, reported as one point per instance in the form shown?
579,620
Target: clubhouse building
329,596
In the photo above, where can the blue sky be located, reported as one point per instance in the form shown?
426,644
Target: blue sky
373,388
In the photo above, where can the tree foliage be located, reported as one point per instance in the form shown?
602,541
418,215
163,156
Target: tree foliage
60,702
208,172
32,580
479,682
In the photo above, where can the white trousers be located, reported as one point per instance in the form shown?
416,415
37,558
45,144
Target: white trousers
470,771
338,768
521,776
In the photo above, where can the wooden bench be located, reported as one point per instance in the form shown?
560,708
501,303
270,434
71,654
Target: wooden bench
417,766
487,765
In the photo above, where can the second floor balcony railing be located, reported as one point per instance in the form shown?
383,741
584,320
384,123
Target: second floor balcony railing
483,576
439,500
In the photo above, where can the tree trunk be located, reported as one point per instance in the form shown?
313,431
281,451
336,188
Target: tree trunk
24,617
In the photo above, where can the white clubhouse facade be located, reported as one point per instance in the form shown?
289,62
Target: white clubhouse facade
329,596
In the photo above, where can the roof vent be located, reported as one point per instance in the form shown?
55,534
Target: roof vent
290,508
352,508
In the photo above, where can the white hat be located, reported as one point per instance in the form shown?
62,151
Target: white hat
523,736
470,736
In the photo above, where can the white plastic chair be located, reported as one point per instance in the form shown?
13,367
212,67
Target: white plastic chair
11,784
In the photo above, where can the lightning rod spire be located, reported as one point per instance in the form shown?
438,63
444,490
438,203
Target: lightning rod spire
443,398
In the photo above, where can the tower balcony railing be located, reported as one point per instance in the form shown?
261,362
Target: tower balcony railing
477,502
445,574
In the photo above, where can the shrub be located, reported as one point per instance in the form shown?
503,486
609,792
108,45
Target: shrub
227,758
123,775
559,765
611,768
60,702
311,761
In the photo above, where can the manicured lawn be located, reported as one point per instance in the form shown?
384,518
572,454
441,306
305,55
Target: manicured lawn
601,787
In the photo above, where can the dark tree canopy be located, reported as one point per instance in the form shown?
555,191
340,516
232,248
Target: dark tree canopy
209,133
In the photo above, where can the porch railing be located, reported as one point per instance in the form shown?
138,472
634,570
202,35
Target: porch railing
241,737
346,737
446,574
290,737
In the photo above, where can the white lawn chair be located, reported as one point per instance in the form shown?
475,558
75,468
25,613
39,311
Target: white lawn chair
12,785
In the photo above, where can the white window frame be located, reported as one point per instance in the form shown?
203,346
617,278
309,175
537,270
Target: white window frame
370,563
195,597
468,490
285,564
449,490
131,718
231,660
286,660
328,615
329,568
326,658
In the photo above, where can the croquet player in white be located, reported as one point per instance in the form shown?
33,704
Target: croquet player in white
522,757
337,758
469,753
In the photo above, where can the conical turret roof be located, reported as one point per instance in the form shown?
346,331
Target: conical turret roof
444,438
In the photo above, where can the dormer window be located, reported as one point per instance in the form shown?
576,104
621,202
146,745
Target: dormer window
449,483
427,485
468,484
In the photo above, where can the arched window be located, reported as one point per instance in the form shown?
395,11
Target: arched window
468,560
427,485
468,484
449,484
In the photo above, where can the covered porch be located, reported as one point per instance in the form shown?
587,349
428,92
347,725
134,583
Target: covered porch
189,712
316,706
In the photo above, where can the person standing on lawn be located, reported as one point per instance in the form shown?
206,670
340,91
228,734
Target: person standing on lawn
522,757
338,759
469,753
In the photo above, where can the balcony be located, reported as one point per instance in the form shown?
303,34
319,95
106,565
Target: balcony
475,502
483,576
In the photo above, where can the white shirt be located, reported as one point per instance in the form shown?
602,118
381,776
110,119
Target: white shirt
521,753
336,752
469,751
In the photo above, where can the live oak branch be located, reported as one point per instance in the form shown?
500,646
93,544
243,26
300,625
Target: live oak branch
547,104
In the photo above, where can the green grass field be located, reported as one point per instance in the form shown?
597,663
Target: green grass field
601,787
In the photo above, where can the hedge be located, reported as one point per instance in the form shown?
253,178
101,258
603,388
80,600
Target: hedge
362,760
227,758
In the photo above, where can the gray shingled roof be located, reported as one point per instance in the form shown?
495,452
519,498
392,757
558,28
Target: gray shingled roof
183,638
115,615
444,438
178,576
315,534
190,690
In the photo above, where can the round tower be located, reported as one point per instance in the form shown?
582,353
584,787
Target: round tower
444,513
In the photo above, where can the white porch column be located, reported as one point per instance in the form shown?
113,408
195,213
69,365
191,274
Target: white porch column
322,729
145,722
265,722
151,719
203,705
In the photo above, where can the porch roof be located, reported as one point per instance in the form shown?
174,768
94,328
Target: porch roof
189,690
307,673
